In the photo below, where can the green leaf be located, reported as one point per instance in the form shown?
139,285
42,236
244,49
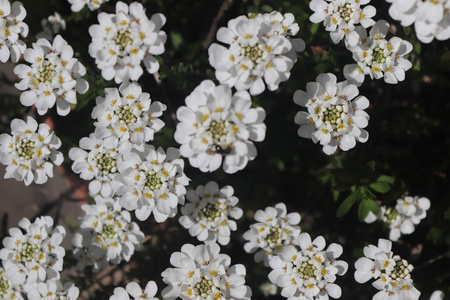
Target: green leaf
363,209
380,187
176,39
348,203
314,28
385,179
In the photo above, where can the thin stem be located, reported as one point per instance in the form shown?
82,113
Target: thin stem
213,28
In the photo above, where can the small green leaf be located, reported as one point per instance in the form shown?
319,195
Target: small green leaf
363,209
348,203
385,179
380,187
314,28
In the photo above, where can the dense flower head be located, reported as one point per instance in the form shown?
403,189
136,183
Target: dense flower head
308,272
378,57
32,253
78,5
335,118
392,273
202,272
7,289
275,229
96,160
340,18
54,290
208,213
408,211
430,18
121,41
51,26
129,114
29,151
106,235
11,28
217,126
54,76
152,182
134,290
258,50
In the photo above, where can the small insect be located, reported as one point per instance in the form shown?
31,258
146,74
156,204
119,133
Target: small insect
223,150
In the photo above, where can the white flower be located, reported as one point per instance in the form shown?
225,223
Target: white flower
391,271
153,182
335,118
308,272
77,5
275,228
136,292
121,41
340,18
54,290
106,235
208,215
268,289
7,289
11,28
258,50
51,26
27,152
217,126
54,76
437,295
33,254
130,116
202,272
429,17
378,57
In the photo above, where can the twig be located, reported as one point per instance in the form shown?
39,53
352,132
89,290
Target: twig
213,28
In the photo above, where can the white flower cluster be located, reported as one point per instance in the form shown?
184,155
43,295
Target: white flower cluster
54,76
136,292
202,272
340,17
106,235
152,182
51,26
208,215
32,257
129,114
258,50
378,57
275,229
391,271
308,272
54,290
121,41
78,5
335,118
27,152
7,289
11,27
430,17
401,219
217,126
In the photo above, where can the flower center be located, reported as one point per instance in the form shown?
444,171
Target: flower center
345,12
204,287
4,286
401,270
378,55
306,270
123,38
45,72
391,215
108,231
106,164
333,115
28,251
210,212
274,236
25,148
125,115
152,181
218,131
254,53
